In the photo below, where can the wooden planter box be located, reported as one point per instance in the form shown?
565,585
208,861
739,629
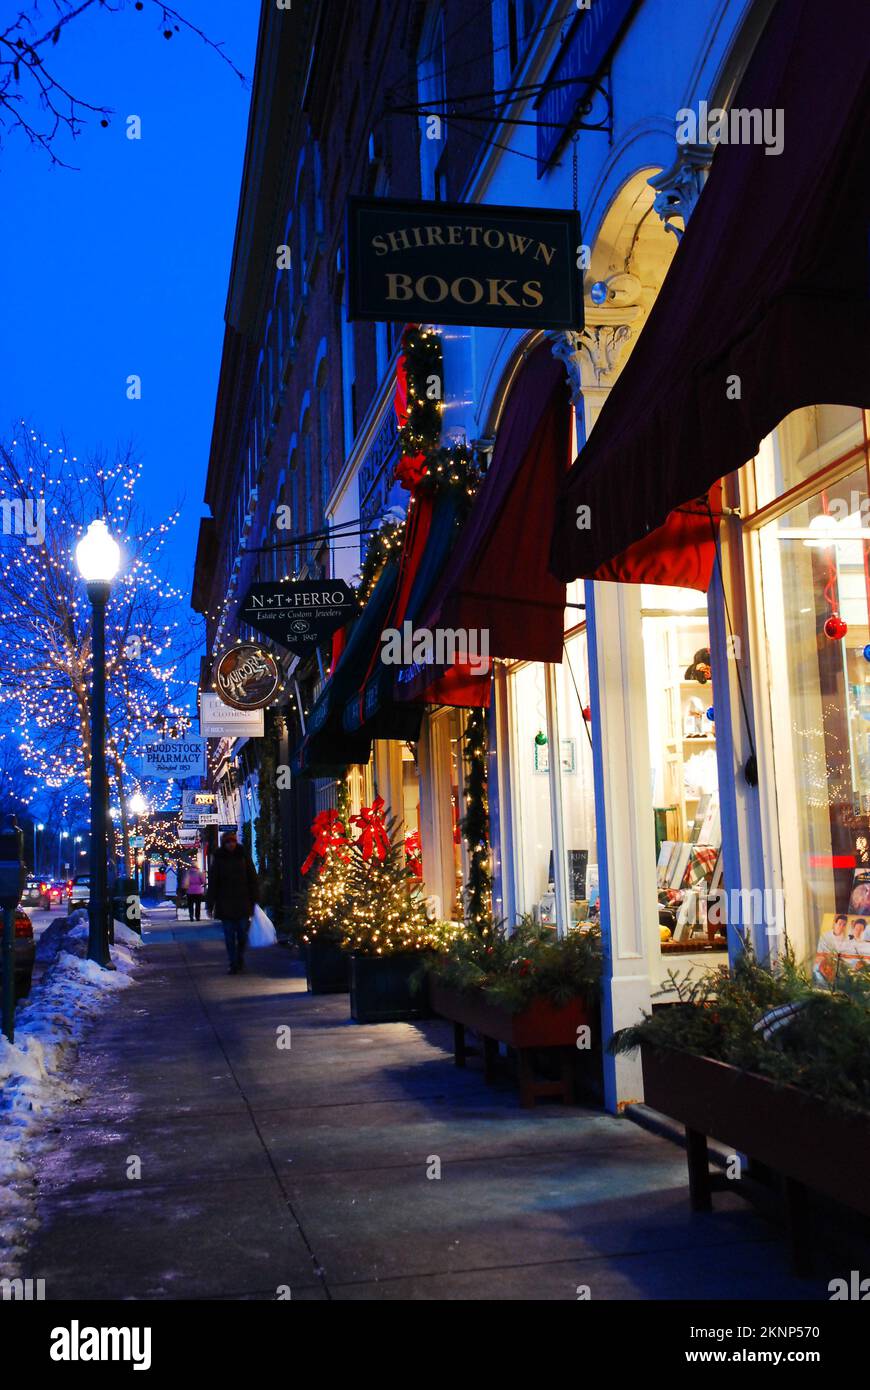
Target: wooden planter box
541,1025
327,968
380,988
808,1142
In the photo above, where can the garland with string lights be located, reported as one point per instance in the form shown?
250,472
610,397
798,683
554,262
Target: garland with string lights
419,392
475,824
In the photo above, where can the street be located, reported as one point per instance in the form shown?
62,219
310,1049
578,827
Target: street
267,1171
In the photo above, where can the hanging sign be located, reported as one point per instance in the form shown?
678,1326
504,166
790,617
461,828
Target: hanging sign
173,757
218,720
471,263
193,803
301,614
583,54
137,841
246,677
188,835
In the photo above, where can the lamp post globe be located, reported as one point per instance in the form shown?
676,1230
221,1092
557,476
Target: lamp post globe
98,557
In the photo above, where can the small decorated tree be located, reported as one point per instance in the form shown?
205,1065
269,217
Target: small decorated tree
386,907
323,905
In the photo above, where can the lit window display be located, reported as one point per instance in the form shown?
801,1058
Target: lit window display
685,781
816,592
533,837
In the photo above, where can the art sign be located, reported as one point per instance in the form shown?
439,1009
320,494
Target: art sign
299,615
246,677
475,263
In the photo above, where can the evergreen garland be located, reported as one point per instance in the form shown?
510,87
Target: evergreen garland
475,825
383,545
424,365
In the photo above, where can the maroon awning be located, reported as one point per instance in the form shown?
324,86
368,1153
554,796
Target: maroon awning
769,286
498,577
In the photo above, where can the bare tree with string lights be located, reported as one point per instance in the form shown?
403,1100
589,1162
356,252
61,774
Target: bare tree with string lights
45,618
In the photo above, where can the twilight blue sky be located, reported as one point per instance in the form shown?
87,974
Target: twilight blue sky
121,265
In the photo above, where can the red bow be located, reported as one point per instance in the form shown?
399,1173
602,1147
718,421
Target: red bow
411,470
373,831
329,834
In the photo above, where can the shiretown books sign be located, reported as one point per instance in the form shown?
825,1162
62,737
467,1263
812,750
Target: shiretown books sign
470,263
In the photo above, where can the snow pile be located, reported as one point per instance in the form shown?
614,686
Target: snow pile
48,1027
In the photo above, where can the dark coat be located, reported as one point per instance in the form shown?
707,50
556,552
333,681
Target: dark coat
233,887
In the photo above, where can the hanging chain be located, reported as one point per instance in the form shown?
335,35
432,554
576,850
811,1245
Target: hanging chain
575,137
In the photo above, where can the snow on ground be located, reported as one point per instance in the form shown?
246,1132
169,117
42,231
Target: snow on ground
33,1070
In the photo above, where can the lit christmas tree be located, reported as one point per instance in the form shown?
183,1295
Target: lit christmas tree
386,907
324,903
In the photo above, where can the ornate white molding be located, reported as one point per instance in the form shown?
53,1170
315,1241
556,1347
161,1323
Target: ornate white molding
592,356
678,189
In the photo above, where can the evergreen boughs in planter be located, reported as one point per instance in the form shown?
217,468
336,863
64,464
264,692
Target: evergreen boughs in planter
817,1040
512,969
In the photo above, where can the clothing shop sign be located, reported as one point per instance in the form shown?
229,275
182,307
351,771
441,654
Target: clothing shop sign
495,267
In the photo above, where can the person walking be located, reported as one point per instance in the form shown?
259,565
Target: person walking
194,886
233,892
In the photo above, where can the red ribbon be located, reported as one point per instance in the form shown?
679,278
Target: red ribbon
329,834
411,470
373,831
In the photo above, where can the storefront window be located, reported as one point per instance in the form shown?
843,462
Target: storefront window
533,838
578,789
816,592
685,782
805,443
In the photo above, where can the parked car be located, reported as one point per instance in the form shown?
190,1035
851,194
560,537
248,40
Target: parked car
79,891
24,955
51,894
32,892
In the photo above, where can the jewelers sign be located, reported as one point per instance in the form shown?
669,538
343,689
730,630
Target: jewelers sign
299,614
173,757
495,267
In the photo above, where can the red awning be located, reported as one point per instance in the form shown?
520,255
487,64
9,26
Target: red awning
767,295
498,577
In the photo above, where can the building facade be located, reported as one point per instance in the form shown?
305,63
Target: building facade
661,796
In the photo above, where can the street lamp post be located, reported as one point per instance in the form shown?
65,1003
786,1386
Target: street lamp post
138,806
98,558
35,851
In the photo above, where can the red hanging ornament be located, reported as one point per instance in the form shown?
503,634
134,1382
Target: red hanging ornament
587,713
835,628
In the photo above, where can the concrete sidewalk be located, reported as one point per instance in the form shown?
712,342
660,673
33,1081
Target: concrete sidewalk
305,1168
